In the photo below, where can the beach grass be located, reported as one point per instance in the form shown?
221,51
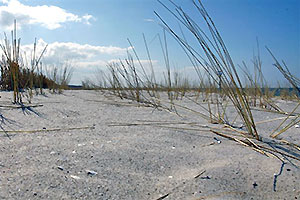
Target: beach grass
22,77
220,85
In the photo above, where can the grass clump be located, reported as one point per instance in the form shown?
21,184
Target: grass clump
59,77
16,74
217,59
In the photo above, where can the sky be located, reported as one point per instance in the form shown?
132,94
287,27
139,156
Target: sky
89,34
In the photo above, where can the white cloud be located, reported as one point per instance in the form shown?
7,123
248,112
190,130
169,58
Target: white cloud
85,59
137,63
92,65
50,17
87,18
149,20
59,51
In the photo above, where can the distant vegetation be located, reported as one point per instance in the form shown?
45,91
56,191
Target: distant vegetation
19,76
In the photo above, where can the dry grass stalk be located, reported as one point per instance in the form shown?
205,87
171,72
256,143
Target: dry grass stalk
237,136
293,80
293,122
218,57
257,147
60,76
21,106
12,53
48,130
21,77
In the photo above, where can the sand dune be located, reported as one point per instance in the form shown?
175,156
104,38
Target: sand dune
71,150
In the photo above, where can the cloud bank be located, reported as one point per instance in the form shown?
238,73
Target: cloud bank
86,59
59,51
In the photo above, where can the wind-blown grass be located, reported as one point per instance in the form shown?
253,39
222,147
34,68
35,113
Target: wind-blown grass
217,59
224,82
15,74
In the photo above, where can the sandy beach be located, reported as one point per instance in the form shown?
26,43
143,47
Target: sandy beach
91,145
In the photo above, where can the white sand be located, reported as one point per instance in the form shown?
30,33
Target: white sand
133,162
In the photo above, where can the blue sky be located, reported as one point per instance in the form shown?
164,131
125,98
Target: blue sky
90,33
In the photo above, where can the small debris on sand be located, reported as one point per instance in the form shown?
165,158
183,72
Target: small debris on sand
75,177
91,172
